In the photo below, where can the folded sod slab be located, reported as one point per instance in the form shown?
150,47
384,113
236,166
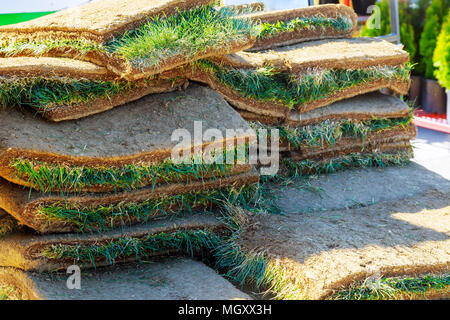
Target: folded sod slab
57,213
325,135
286,27
66,89
374,105
126,148
304,77
156,279
134,39
319,254
189,236
8,224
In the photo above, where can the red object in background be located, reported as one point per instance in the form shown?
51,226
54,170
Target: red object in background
437,122
347,2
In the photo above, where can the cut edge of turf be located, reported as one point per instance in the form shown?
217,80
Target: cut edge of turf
190,242
267,84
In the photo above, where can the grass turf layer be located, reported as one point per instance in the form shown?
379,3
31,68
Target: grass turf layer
43,94
269,85
187,241
185,34
48,177
306,23
329,132
100,218
396,288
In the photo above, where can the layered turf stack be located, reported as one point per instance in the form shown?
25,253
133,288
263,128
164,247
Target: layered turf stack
117,167
105,189
322,95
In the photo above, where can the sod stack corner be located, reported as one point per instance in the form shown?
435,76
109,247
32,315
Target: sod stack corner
323,95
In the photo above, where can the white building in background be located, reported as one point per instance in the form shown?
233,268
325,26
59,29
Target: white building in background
20,6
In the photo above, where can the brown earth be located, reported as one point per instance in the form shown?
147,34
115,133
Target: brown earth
24,205
23,250
326,251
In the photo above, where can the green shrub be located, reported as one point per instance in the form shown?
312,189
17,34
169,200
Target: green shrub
441,56
435,15
407,35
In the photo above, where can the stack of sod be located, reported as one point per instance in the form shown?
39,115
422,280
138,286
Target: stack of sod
65,89
117,167
368,130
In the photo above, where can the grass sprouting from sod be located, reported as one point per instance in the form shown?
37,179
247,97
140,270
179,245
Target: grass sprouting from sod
329,132
46,177
99,218
43,94
184,34
292,168
307,23
270,85
397,288
189,242
252,268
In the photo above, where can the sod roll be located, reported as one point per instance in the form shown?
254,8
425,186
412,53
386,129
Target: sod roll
97,20
306,76
291,26
133,39
186,236
132,143
49,213
360,108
